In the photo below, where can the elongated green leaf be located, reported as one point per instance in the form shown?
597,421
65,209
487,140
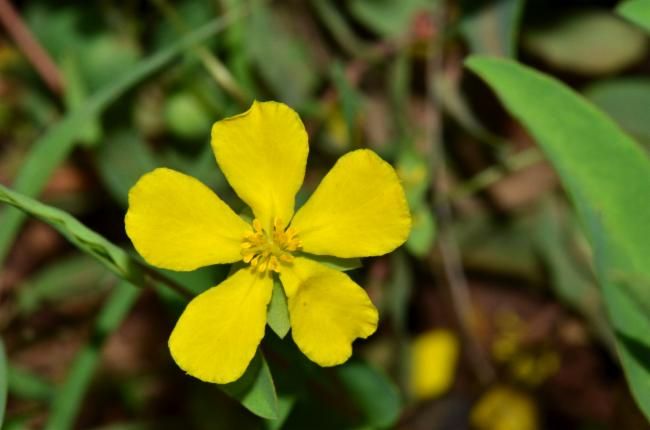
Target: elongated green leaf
68,399
255,389
50,150
573,284
637,11
607,176
280,56
388,17
285,406
278,314
27,385
571,40
75,95
627,101
121,160
423,232
374,394
110,255
70,277
113,257
3,382
492,26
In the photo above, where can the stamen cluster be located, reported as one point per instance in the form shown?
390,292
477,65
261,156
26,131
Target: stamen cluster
265,252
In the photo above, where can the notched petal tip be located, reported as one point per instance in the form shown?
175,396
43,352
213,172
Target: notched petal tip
328,311
263,154
358,210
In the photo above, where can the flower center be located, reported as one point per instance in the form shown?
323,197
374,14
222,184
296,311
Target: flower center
266,252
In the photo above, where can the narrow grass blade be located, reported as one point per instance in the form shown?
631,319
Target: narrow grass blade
3,382
69,397
50,150
27,385
113,257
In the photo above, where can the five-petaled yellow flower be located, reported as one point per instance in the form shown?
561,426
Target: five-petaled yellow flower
358,210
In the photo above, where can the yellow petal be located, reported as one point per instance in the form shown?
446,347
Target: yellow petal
263,153
505,408
328,311
358,210
218,333
433,363
175,222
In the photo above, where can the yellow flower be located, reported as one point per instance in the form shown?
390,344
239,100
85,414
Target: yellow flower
358,210
434,357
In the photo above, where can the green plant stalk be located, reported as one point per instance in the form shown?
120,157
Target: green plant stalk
494,174
69,398
110,255
49,151
212,64
3,382
339,29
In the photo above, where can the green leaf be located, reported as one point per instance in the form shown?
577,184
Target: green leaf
3,382
492,27
113,257
398,291
423,232
69,277
278,314
186,116
57,28
53,147
68,399
388,17
637,11
627,101
590,42
76,94
285,405
106,56
413,171
255,389
374,394
607,176
342,125
27,385
281,56
342,264
637,288
121,160
573,284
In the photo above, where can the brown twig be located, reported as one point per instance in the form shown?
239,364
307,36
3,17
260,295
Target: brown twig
447,245
28,44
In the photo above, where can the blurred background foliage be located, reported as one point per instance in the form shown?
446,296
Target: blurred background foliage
491,314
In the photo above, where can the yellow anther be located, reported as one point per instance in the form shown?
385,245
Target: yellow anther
266,251
273,263
287,258
255,261
277,224
257,225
